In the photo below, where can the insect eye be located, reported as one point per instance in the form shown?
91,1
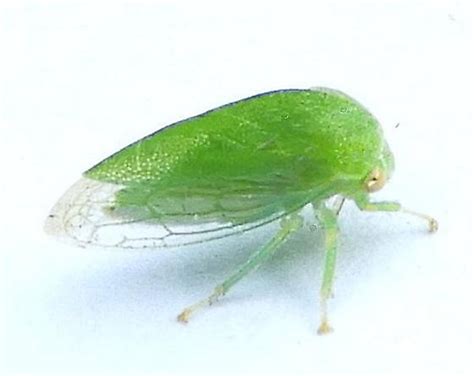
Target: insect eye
375,181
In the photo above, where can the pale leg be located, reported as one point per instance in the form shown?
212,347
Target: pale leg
364,203
328,220
288,226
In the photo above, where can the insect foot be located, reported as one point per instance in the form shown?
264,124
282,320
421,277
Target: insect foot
433,225
324,328
183,317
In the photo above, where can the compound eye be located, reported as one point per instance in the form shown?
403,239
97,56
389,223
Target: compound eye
375,181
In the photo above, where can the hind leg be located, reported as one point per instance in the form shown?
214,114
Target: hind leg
288,226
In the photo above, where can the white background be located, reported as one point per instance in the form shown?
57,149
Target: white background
81,80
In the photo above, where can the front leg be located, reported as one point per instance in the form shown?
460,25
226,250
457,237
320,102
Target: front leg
363,203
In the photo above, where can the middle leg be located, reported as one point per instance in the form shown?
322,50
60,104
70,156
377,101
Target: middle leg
328,219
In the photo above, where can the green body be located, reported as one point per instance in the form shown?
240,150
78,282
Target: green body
232,169
247,160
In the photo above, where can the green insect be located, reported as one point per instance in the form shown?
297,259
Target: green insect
233,169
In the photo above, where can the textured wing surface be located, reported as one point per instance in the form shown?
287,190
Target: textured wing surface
228,170
87,214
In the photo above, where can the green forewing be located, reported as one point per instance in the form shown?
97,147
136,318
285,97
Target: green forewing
247,160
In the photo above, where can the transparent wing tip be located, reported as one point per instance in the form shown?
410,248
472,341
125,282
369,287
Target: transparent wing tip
75,215
82,216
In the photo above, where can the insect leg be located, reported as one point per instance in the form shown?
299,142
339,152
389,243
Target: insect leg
288,226
328,219
364,203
